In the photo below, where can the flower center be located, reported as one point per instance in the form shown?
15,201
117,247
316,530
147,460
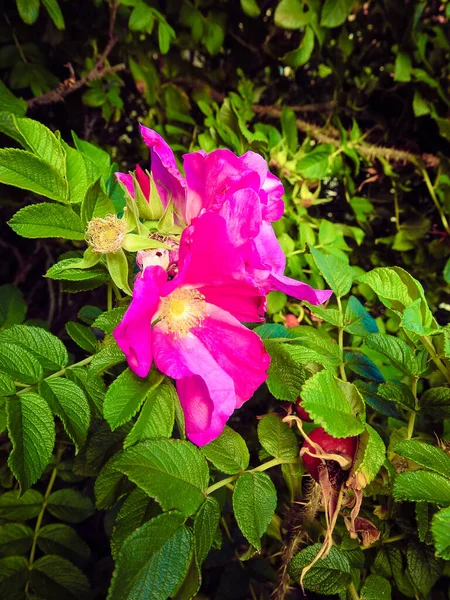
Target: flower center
106,235
182,310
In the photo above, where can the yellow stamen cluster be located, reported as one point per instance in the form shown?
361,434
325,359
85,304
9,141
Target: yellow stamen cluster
106,235
182,310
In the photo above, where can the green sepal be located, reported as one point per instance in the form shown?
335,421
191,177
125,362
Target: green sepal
133,243
118,269
153,208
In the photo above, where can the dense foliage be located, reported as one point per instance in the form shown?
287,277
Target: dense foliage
101,495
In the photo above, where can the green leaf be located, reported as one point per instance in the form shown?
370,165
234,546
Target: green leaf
250,8
286,374
20,364
423,567
254,503
277,438
111,484
398,290
7,385
330,575
67,400
357,320
289,128
334,404
105,359
403,67
47,220
10,103
228,452
77,176
62,540
276,301
309,346
70,505
436,402
118,269
336,272
370,457
47,348
15,539
165,33
137,509
363,366
397,392
43,143
422,486
441,533
206,523
335,12
65,270
13,577
12,305
23,169
125,396
141,17
301,55
289,14
56,578
173,472
315,164
395,349
32,432
109,320
376,588
162,541
18,507
425,455
28,10
92,386
97,159
55,13
157,415
82,336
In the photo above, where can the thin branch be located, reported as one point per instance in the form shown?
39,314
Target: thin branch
70,85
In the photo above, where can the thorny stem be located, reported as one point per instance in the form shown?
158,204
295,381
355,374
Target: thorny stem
83,362
352,591
341,340
268,465
37,528
432,352
432,192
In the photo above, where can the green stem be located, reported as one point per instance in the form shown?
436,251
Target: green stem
432,192
268,465
83,362
37,528
352,591
426,341
109,303
411,422
341,340
412,414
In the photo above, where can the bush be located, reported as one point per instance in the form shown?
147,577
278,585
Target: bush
107,490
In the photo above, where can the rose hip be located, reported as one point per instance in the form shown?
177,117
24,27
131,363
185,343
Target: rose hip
301,412
345,447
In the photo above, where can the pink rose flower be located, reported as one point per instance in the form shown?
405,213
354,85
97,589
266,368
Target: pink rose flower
244,192
189,326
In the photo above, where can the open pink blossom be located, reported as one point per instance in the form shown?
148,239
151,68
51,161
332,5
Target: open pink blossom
244,192
190,328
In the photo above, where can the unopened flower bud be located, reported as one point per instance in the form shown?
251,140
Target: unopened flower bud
106,235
